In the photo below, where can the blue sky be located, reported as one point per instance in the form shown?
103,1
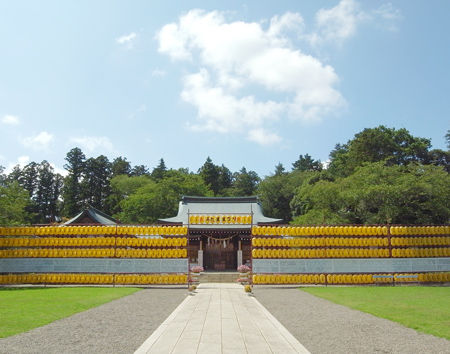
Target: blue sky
246,83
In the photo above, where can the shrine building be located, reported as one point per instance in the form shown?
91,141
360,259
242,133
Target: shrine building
219,229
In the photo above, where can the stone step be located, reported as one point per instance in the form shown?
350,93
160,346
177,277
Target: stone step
219,277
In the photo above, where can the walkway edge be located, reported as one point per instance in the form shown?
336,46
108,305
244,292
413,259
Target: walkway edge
284,332
145,347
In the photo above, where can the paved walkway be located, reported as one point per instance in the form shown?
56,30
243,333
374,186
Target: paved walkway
221,318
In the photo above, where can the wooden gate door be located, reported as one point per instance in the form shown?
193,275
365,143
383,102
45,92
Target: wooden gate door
217,257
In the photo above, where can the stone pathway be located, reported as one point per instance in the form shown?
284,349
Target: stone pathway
221,318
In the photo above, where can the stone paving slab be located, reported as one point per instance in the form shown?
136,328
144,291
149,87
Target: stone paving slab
221,318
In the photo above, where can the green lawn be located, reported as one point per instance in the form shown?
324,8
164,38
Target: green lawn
425,309
22,309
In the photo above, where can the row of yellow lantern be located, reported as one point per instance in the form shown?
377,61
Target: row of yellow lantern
95,253
220,219
142,279
420,230
420,241
151,253
321,253
152,242
320,230
93,241
289,278
420,252
350,278
349,230
321,242
93,230
82,278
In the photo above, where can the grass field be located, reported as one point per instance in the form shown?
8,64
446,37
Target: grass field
22,309
425,309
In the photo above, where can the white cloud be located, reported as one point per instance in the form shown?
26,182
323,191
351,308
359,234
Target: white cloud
10,120
388,16
141,109
93,143
339,22
63,172
388,12
127,41
235,56
263,137
158,73
126,38
40,141
222,112
21,161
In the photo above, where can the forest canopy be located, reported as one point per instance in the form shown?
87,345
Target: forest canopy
381,175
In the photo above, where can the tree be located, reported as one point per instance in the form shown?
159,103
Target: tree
439,157
28,178
2,176
155,200
307,163
122,187
395,147
375,193
245,183
224,181
159,171
13,201
276,192
95,185
47,193
72,191
139,170
279,169
447,138
210,175
120,166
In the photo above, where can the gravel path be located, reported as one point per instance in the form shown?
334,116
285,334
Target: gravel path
324,327
120,326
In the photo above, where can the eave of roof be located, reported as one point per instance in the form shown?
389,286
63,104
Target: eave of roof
94,214
189,199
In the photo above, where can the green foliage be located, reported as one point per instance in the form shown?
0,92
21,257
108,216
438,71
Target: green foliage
72,190
13,201
47,193
210,175
395,147
159,171
307,163
375,193
120,166
245,183
22,309
155,200
422,308
139,170
43,186
95,185
276,192
381,175
122,187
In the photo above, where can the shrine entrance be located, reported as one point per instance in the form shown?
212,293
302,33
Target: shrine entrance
220,254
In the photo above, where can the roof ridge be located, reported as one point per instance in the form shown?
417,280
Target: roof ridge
197,199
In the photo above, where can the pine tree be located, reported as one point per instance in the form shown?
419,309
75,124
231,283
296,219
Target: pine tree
159,171
210,175
72,183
